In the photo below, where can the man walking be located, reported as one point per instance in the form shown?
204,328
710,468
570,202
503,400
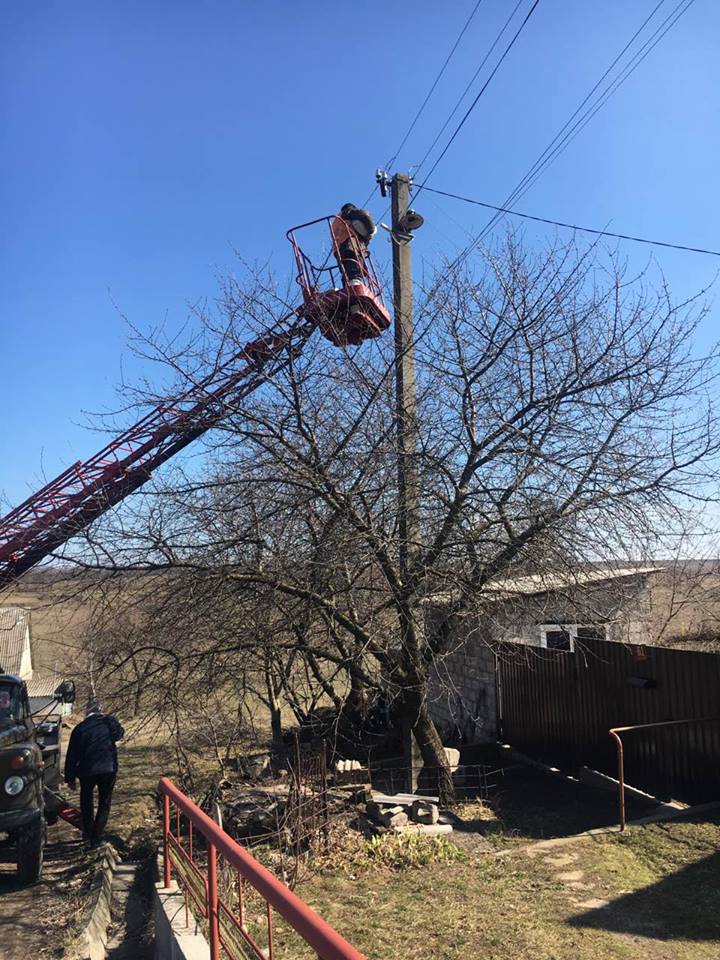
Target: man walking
92,758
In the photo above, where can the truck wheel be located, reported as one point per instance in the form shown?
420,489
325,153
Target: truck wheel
29,842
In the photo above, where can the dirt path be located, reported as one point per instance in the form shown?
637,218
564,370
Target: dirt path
36,921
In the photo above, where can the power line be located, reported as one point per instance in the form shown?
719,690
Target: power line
565,135
437,79
477,98
540,160
467,88
427,98
573,226
612,88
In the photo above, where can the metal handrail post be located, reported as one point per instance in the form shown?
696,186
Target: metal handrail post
166,846
316,932
212,903
621,776
616,731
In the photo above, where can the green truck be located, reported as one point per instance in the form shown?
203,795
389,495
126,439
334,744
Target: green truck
30,773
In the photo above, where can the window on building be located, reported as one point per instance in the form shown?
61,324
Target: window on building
596,631
558,638
563,636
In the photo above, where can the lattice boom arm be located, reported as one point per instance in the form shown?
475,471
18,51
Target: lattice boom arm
70,502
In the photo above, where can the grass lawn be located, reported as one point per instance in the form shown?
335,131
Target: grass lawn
652,893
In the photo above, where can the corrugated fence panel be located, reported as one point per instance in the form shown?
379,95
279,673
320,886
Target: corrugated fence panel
559,707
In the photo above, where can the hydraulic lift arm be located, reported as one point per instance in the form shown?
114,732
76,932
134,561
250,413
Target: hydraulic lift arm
70,502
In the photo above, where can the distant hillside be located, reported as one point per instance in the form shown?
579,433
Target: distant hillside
58,620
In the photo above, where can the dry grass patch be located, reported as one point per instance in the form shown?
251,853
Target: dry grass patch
661,885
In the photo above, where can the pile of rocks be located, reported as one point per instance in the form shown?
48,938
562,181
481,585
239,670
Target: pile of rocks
405,813
254,812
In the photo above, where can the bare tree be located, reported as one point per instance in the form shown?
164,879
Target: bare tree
564,417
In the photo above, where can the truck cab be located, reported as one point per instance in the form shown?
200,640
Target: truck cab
29,771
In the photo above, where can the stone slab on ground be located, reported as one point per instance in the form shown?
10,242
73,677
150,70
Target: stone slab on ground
396,820
174,940
404,799
424,812
453,758
377,811
428,829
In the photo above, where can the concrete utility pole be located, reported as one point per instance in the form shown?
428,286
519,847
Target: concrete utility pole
406,415
405,386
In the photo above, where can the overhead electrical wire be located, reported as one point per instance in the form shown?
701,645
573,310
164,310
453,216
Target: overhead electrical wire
482,90
569,130
465,92
429,94
573,226
627,71
437,80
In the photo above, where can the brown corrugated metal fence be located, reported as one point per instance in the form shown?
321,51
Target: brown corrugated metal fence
559,707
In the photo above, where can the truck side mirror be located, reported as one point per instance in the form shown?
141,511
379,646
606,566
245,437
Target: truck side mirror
65,693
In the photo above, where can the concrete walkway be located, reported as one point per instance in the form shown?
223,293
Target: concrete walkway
130,937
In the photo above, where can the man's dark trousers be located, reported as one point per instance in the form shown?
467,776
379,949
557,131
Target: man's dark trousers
94,823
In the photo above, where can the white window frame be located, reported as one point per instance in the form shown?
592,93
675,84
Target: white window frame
571,629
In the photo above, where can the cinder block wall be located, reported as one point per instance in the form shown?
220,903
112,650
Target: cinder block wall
461,694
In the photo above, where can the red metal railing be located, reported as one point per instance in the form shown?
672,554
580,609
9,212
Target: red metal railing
228,925
615,732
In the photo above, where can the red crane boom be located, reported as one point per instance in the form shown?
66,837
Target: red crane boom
347,311
84,491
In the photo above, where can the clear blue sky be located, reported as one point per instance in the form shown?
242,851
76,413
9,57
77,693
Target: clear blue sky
140,142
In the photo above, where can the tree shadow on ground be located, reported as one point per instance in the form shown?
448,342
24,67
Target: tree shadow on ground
528,803
34,916
684,905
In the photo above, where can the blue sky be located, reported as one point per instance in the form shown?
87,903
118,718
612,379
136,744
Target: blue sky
141,143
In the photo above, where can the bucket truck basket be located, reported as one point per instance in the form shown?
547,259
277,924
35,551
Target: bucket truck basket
347,310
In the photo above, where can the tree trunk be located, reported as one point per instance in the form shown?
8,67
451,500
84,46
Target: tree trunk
415,708
417,715
433,752
357,699
275,709
276,728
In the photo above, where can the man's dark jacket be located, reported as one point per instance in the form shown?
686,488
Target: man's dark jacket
92,749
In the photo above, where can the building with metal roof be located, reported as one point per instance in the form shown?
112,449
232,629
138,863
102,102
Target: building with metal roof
16,658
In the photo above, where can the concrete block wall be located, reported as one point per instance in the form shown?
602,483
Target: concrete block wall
461,693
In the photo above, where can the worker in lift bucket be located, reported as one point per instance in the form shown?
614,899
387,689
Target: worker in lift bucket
92,758
352,231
